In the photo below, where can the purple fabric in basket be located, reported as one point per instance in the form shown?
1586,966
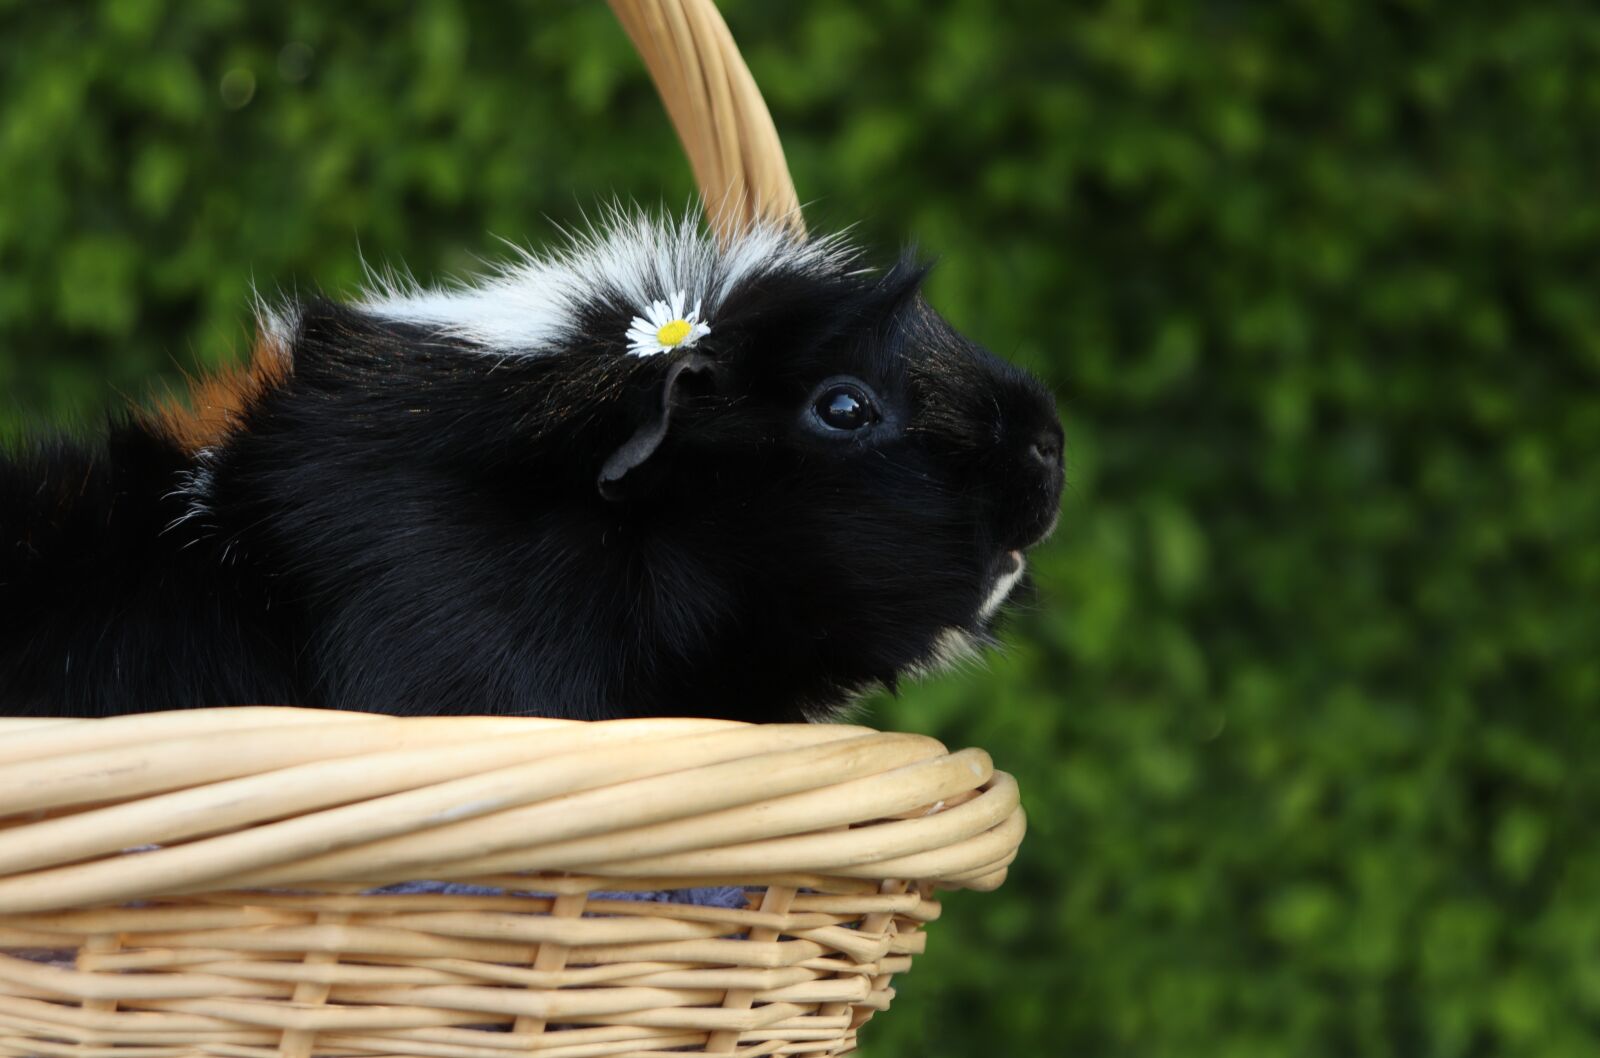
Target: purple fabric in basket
709,896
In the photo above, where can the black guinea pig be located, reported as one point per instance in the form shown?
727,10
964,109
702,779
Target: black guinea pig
646,475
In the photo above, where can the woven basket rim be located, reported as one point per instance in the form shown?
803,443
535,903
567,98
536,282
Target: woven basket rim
275,798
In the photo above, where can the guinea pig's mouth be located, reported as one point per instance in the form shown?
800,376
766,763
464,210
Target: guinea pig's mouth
1003,578
952,645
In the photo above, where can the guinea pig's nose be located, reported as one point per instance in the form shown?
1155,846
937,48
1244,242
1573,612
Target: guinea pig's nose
1032,490
1046,448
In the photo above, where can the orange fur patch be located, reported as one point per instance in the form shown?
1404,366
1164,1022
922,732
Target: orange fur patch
216,401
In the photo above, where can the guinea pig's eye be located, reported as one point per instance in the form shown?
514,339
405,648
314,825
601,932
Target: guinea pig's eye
846,407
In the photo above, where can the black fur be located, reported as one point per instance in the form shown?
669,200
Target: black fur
409,523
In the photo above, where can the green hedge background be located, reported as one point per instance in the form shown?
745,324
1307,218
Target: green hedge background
1304,712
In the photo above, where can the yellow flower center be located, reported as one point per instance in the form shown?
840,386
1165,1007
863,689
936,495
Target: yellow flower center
674,332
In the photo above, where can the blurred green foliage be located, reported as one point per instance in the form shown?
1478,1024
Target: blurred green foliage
1303,709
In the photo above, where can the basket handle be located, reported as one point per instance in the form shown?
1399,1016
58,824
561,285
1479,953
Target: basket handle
721,119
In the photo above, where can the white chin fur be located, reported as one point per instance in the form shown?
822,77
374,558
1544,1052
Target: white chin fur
954,645
1002,588
950,648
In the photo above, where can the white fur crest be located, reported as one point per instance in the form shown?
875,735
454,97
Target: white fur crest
530,304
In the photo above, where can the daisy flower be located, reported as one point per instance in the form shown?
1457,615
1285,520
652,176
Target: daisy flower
665,327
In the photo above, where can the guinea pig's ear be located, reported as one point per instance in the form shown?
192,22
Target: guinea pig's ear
648,437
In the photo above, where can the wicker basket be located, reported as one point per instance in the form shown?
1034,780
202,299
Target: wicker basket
254,882
201,883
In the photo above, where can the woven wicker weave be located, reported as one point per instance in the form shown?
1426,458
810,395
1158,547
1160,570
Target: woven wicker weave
202,883
228,857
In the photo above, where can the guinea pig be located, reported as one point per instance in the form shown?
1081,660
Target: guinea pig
641,475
